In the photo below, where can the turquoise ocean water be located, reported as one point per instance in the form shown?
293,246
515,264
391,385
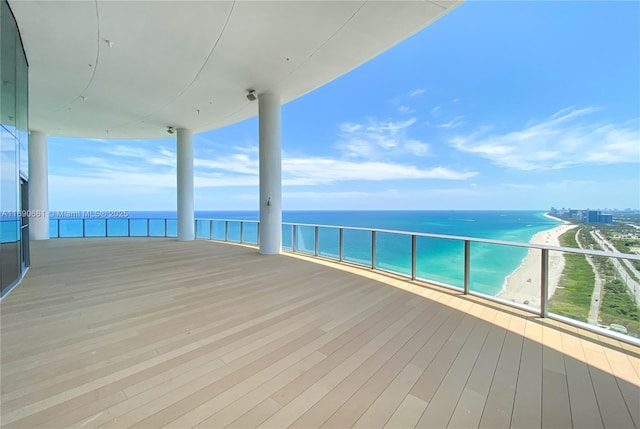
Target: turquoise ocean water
440,260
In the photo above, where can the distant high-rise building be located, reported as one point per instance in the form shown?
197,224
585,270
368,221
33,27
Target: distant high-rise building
606,219
591,216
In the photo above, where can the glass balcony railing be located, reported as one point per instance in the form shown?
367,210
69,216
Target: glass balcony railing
597,290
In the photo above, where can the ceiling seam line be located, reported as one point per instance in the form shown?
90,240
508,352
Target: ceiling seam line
325,42
95,66
215,45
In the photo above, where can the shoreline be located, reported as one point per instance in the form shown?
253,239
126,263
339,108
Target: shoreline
522,286
564,222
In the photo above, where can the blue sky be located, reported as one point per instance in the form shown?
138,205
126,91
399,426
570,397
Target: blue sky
498,105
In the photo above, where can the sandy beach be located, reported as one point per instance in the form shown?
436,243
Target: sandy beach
523,285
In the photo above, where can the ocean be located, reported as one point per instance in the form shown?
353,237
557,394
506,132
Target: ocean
439,260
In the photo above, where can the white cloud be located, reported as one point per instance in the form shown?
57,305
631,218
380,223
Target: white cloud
405,109
322,171
454,123
560,141
350,127
138,171
417,92
417,148
379,139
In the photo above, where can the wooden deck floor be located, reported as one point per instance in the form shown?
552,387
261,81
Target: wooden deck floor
158,333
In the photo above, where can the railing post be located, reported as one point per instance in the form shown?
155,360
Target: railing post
195,227
544,283
106,227
373,250
241,232
83,229
294,238
467,264
341,245
166,232
414,252
128,227
226,230
257,233
58,228
315,241
148,227
211,229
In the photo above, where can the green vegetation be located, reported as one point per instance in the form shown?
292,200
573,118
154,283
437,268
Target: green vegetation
624,245
618,307
573,295
572,298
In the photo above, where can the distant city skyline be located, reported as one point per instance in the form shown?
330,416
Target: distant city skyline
498,105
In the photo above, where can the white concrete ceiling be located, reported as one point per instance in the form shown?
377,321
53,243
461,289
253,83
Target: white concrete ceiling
129,69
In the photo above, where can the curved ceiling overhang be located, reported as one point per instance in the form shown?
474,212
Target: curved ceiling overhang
129,69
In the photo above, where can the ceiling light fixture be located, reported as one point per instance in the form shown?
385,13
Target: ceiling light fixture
251,95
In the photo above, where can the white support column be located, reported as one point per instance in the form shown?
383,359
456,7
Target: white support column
270,174
38,186
184,154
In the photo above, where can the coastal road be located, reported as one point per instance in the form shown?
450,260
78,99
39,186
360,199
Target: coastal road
632,284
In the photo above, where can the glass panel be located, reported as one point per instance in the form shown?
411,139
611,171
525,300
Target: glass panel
70,228
598,290
22,108
393,252
492,263
157,228
250,233
53,228
9,230
203,229
8,177
10,260
234,231
329,242
440,260
523,284
8,70
218,229
572,297
95,228
619,308
172,228
117,227
357,246
138,227
287,239
305,239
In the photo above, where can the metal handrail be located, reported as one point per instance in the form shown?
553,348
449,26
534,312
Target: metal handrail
478,240
374,232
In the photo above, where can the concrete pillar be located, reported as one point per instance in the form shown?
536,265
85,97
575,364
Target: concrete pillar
38,186
270,174
184,154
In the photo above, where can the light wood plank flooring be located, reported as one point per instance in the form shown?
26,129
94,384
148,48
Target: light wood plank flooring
154,333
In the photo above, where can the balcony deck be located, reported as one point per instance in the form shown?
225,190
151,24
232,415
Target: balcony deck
152,332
